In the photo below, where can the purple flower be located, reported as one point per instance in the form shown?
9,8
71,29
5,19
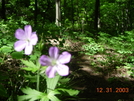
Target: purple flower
56,62
27,39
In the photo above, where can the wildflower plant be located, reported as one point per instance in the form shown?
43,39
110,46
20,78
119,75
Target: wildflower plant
56,62
27,39
51,68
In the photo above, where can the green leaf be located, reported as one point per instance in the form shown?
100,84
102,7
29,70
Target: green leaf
51,95
33,57
44,99
71,92
28,63
1,60
17,55
54,92
30,69
31,78
64,80
31,95
53,98
30,66
5,49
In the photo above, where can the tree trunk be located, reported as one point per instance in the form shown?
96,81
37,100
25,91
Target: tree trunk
3,10
58,13
97,15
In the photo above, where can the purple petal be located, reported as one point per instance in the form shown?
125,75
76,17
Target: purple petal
19,45
34,38
65,57
20,34
28,30
45,60
54,52
28,49
62,70
50,72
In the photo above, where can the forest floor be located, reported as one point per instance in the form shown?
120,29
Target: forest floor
97,76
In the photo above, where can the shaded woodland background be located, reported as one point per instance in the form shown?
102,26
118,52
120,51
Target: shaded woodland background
113,16
98,33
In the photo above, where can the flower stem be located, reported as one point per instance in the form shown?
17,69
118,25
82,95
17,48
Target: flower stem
38,79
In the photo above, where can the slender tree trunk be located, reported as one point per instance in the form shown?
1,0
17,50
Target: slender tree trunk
97,15
58,13
3,10
35,14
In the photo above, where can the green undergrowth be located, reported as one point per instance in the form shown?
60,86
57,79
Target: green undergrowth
113,51
116,51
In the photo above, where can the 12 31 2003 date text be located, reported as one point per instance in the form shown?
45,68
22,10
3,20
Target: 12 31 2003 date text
111,90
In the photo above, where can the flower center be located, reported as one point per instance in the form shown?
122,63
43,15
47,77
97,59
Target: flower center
27,40
54,62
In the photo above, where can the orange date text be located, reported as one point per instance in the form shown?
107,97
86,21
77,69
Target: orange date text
111,90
